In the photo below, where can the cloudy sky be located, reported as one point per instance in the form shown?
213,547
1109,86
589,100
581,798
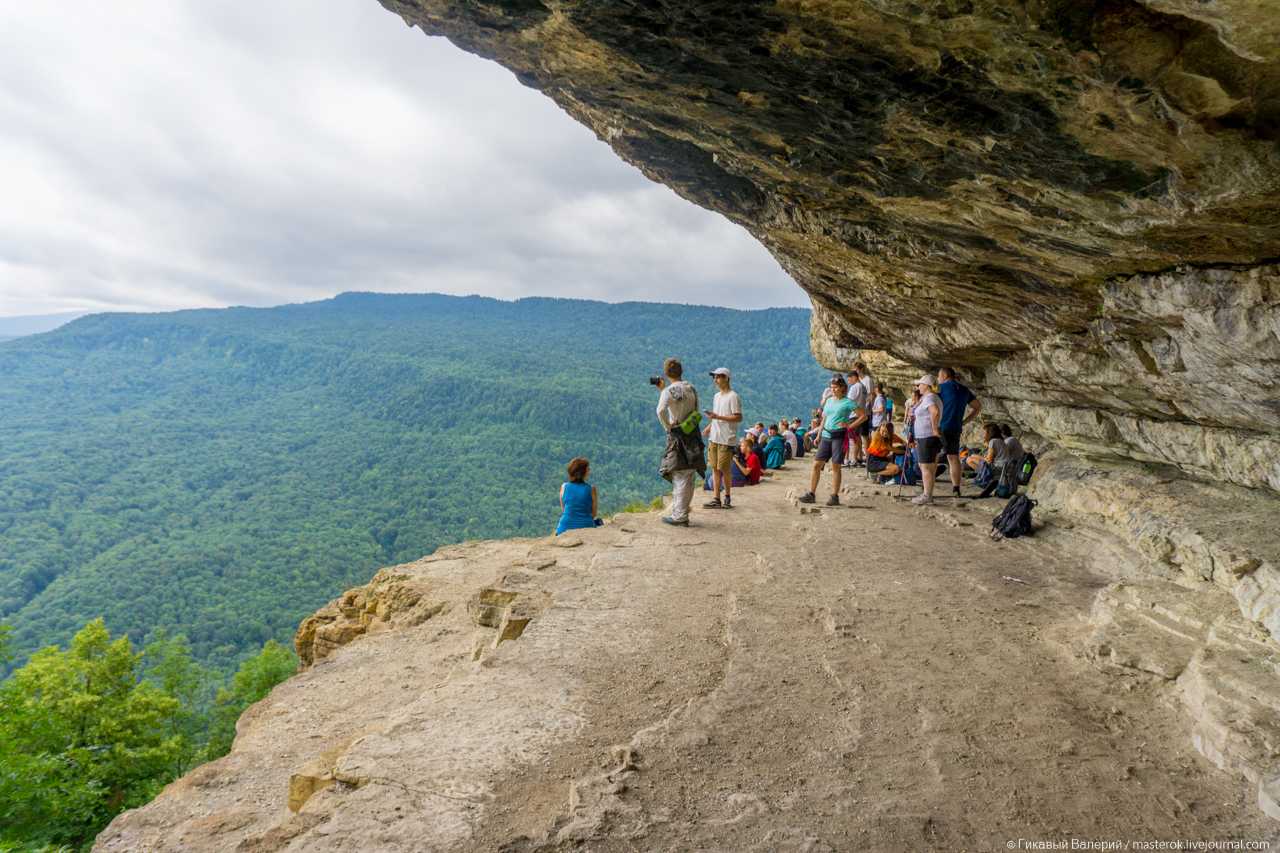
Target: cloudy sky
160,154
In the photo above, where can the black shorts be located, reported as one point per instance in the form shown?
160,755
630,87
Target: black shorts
951,441
928,449
876,464
832,448
865,429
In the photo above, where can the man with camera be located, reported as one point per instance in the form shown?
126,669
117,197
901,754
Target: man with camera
678,413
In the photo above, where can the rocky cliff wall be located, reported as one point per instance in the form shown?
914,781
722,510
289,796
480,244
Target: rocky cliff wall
1076,202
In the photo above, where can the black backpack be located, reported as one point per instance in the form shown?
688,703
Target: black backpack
1014,520
1027,468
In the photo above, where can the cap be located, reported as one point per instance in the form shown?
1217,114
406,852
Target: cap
721,371
925,380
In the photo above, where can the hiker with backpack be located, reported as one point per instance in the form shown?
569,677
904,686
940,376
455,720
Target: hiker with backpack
722,431
683,457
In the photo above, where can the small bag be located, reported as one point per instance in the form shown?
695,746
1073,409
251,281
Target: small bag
1014,520
1028,468
691,422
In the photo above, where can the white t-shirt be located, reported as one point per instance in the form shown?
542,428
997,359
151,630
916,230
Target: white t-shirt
793,441
858,394
877,412
725,403
998,457
924,425
866,385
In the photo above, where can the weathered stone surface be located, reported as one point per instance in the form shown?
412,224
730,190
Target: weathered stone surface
1190,533
1076,203
392,597
772,684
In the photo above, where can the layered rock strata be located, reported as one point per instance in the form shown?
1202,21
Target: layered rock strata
1077,203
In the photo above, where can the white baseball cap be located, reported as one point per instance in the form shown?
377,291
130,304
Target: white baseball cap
721,371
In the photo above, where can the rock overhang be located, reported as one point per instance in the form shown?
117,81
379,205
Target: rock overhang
987,184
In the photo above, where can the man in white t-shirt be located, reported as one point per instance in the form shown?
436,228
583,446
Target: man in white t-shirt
722,434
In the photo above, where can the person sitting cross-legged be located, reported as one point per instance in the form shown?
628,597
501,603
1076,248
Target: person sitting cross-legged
883,446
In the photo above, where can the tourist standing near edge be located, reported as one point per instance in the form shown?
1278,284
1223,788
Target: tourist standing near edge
683,457
725,414
955,398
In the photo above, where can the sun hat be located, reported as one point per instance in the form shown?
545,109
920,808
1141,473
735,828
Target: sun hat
925,380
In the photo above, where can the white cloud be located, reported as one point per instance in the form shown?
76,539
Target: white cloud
161,154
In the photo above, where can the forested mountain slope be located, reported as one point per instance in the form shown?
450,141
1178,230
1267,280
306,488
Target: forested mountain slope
223,472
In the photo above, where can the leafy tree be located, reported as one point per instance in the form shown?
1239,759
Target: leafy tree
167,663
252,682
81,738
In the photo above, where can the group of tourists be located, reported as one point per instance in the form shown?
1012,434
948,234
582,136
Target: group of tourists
853,426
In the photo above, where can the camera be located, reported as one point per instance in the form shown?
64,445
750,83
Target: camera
655,381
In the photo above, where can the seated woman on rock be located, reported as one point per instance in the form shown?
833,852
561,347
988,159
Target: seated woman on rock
775,449
578,499
746,465
989,462
881,450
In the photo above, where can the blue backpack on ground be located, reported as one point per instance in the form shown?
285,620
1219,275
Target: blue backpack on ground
910,468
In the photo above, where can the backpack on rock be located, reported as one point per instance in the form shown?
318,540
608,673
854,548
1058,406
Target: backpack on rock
1014,520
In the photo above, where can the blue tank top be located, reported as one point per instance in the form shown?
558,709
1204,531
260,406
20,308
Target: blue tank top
577,508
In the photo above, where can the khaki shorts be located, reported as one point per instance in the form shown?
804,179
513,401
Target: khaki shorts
720,457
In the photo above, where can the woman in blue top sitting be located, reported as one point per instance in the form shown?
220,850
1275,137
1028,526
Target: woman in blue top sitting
577,499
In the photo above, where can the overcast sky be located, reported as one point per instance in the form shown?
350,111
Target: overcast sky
183,153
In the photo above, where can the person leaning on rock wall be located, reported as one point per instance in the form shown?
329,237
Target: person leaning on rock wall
683,456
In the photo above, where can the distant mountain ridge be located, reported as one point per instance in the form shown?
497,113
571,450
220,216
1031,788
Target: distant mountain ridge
34,324
222,472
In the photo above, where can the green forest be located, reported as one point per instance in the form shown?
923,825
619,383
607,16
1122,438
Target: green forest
177,491
220,474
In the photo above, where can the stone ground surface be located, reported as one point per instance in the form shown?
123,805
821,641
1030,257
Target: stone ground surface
869,677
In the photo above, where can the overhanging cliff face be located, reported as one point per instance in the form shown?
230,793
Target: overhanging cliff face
1077,202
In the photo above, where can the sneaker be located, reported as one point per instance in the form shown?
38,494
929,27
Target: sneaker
714,503
684,522
918,500
807,498
955,491
728,504
834,500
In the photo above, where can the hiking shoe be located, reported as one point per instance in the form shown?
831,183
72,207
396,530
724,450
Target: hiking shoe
921,500
834,500
728,504
714,503
807,498
684,522
955,491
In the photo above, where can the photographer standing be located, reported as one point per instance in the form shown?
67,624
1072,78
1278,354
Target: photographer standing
683,457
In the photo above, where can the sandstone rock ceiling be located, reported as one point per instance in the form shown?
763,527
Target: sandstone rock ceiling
1079,202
